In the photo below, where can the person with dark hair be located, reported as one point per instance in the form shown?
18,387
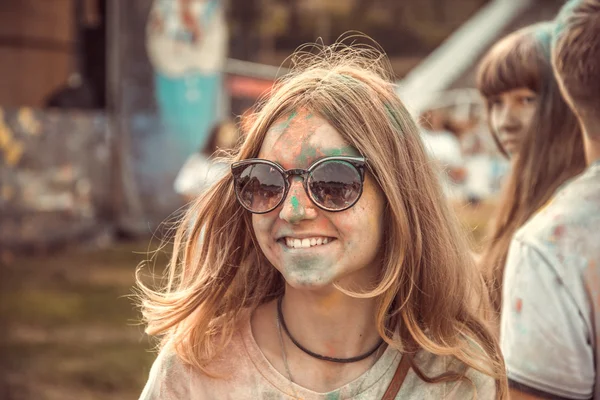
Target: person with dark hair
551,317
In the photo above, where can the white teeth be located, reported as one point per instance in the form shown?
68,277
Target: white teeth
305,243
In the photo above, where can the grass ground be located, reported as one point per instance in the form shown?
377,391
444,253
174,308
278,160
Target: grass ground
71,329
71,332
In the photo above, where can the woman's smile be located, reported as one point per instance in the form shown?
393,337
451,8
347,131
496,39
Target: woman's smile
306,243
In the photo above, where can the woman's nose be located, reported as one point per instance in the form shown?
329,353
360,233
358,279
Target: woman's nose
297,206
508,120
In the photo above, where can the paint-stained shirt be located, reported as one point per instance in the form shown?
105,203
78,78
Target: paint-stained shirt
246,374
551,294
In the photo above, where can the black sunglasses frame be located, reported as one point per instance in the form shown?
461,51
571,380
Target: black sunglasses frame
359,163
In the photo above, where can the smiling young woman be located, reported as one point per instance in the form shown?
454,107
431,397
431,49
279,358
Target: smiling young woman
330,265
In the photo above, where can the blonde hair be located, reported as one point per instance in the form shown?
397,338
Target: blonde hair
551,151
428,284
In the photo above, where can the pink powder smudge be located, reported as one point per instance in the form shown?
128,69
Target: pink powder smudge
519,305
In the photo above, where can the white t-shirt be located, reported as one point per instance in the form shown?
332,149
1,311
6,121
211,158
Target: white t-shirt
197,174
444,148
248,375
484,174
551,295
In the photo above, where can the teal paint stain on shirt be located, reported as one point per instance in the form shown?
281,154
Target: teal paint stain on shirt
333,395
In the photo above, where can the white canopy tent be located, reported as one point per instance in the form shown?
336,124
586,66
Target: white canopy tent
457,54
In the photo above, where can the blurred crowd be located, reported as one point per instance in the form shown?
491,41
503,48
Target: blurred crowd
471,166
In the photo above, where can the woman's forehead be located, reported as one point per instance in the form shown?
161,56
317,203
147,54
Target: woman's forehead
300,138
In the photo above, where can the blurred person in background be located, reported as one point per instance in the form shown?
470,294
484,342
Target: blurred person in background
443,147
551,314
535,128
201,169
331,265
486,167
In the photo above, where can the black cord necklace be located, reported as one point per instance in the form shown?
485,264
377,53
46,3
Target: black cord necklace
315,355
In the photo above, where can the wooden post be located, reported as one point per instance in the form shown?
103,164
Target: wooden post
126,208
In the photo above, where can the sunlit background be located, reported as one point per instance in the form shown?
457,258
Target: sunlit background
103,101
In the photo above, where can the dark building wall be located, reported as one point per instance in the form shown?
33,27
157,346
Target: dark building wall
54,177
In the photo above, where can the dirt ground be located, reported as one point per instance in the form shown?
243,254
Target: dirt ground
72,332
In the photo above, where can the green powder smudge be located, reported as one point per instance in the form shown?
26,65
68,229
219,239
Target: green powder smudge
283,126
344,151
295,203
292,116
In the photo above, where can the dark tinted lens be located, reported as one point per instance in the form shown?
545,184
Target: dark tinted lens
259,187
335,185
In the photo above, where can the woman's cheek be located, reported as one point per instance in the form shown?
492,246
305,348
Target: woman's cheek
262,225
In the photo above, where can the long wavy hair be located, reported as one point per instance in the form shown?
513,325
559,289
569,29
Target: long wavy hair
552,149
428,285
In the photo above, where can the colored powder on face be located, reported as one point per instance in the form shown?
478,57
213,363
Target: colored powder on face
348,150
283,126
309,265
307,153
295,203
334,152
291,116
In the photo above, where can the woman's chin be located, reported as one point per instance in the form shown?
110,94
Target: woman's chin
308,281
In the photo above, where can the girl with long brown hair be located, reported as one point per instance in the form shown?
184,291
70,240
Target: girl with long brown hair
535,128
330,265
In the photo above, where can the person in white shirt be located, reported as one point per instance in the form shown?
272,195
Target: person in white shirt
443,147
535,128
551,317
201,169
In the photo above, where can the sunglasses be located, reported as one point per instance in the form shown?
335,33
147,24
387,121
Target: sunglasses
332,183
